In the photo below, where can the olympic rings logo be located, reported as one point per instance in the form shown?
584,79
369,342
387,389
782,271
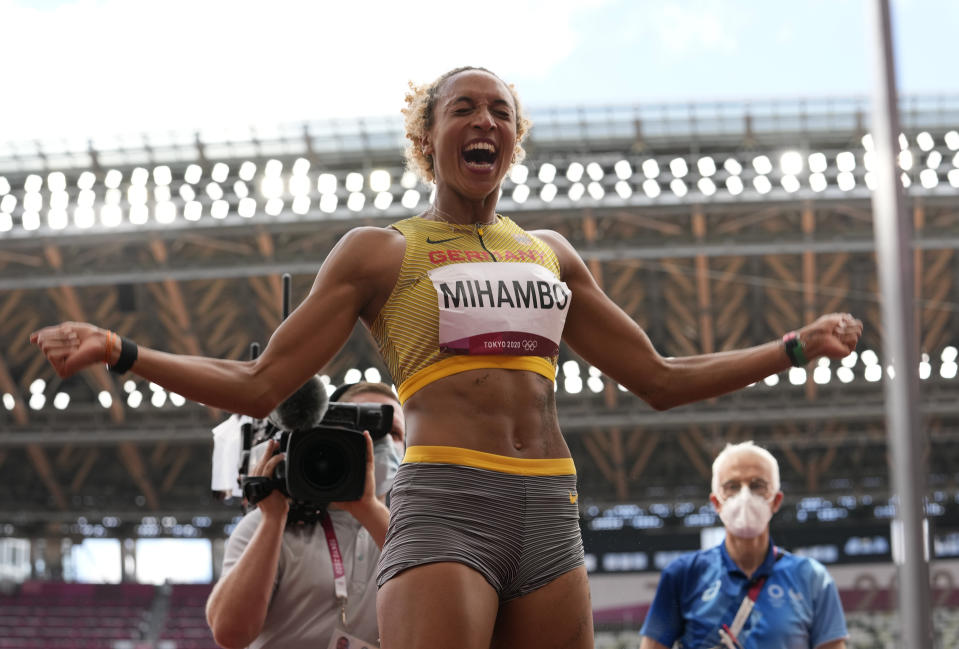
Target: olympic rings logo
529,345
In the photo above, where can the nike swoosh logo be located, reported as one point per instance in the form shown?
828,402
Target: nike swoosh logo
428,240
573,497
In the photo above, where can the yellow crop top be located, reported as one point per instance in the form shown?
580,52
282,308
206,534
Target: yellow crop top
525,287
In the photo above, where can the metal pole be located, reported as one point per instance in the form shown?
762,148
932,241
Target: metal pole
893,231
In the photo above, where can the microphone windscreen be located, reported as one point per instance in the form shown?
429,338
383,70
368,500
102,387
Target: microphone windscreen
303,409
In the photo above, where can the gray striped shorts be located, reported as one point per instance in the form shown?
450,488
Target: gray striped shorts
519,531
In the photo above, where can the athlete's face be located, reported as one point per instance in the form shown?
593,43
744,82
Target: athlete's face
473,134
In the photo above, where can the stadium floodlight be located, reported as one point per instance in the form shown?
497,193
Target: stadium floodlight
299,186
791,163
219,209
32,202
160,193
8,401
952,140
32,184
678,187
134,399
139,177
176,399
274,206
651,169
301,167
356,200
706,186
925,367
8,203
326,184
380,180
573,384
845,375
953,177
762,165
596,190
328,203
734,185
845,180
772,380
220,172
949,354
157,399
706,166
547,173
410,199
30,221
870,178
192,211
576,191
519,173
36,401
246,207
187,193
903,141
948,370
520,193
110,215
162,175
624,170
732,166
790,183
651,188
247,171
83,216
113,179
136,194
678,167
623,189
372,375
37,386
762,184
595,171
846,161
383,200
352,375
574,172
4,186
869,160
273,168
906,180
548,192
353,182
817,182
928,178
925,141
817,162
933,160
56,181
59,200
849,360
301,204
61,400
797,375
56,219
193,174
271,187
165,212
867,142
214,191
409,180
822,373
6,222
139,214
905,160
240,189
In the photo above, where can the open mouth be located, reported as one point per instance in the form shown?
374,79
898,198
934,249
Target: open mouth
479,155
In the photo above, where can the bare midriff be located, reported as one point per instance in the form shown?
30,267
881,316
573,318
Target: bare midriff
506,412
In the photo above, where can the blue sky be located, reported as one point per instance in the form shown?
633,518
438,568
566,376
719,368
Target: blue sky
89,67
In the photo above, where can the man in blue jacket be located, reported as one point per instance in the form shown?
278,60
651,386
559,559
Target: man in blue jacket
745,593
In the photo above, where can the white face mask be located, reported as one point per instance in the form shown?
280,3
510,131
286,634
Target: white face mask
386,460
746,514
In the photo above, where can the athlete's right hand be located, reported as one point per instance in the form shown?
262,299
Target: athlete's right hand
71,346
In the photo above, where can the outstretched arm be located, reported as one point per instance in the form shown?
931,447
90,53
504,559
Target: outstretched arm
605,336
351,278
237,606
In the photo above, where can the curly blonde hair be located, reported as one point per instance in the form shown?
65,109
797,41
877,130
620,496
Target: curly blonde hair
418,118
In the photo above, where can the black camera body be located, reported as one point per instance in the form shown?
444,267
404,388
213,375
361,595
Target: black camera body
326,463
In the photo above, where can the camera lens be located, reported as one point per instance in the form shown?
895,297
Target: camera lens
322,464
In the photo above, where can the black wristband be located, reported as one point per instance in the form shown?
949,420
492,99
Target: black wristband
128,356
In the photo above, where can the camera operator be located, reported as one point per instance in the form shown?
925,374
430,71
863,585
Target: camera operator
279,586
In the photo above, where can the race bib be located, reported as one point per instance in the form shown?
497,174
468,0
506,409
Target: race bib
517,309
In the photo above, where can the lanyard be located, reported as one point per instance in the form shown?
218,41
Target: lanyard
339,573
728,632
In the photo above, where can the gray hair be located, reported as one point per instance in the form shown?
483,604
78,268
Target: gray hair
745,447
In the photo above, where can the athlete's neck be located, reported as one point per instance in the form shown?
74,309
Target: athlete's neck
748,554
452,207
